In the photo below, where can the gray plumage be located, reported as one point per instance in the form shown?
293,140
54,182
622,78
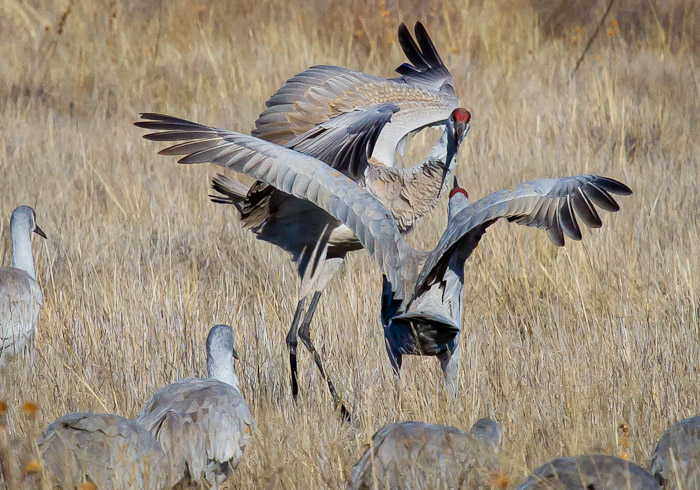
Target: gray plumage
424,95
594,472
106,449
675,462
20,294
421,301
203,425
409,455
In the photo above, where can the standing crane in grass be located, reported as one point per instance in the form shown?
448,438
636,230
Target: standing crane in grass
422,297
20,294
203,425
354,123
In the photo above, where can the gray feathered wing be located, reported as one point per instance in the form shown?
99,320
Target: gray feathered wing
424,94
346,141
203,425
426,69
550,204
310,98
301,176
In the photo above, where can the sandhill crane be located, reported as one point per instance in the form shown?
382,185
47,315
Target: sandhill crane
422,297
318,242
418,455
105,449
675,462
20,294
203,425
594,472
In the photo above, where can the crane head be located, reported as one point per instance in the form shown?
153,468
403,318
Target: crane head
459,199
460,121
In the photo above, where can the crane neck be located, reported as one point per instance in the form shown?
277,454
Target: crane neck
444,151
22,247
220,367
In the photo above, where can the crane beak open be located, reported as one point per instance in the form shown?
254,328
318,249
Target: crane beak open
39,231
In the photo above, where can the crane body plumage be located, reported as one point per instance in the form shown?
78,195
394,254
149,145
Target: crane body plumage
108,450
416,455
589,472
203,425
675,462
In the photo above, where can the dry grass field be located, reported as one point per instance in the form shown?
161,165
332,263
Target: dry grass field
559,345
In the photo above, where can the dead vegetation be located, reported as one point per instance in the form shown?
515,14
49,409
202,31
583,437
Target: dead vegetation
560,346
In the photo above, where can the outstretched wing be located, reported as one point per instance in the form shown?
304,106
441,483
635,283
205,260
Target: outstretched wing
289,171
549,204
310,98
424,94
427,70
346,141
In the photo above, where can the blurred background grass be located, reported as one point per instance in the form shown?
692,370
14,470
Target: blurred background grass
560,346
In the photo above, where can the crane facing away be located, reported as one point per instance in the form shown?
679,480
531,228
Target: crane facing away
203,425
422,290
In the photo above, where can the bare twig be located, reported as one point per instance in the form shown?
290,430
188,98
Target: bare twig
592,38
160,30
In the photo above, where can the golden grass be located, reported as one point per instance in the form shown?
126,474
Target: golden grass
559,345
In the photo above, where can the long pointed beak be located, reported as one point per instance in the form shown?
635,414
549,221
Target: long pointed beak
455,184
235,354
461,130
39,231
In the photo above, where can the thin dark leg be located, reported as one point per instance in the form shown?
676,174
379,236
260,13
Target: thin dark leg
292,345
395,358
305,336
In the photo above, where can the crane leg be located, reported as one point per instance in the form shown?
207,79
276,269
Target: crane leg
305,336
395,358
449,361
292,345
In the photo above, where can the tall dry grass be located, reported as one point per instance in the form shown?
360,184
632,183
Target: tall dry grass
559,345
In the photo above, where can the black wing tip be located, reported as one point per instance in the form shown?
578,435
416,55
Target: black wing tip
615,186
406,69
219,199
153,116
186,160
152,136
